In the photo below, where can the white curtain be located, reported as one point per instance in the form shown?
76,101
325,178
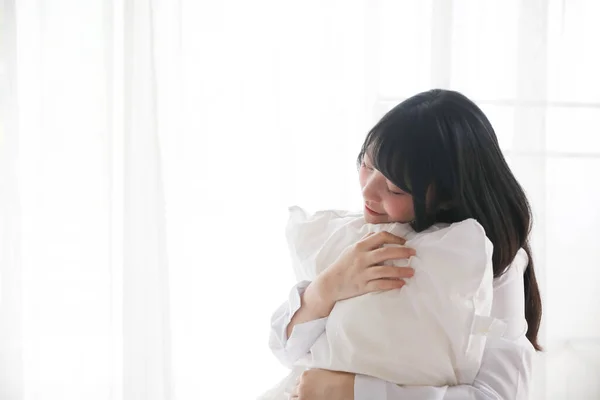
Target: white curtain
149,149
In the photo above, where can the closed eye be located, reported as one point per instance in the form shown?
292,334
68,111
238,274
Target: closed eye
392,191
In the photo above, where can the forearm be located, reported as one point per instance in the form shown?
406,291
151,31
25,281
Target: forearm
289,348
505,374
369,388
314,305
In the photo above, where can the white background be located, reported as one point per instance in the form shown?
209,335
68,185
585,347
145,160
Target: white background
149,150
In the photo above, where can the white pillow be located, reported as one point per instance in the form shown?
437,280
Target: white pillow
430,332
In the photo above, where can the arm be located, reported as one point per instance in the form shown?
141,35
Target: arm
504,375
505,371
290,348
299,322
313,305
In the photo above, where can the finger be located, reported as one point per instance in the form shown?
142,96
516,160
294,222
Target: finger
379,239
381,285
294,393
389,253
387,272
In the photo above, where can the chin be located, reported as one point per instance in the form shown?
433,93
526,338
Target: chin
372,219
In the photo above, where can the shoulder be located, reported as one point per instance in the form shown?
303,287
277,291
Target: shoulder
509,298
514,272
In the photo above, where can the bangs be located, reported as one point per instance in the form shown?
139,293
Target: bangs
395,147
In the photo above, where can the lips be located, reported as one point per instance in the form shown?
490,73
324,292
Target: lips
371,211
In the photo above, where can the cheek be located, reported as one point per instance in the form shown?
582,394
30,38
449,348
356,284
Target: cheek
400,208
362,178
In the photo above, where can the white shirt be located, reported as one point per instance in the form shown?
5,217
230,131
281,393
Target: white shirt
505,371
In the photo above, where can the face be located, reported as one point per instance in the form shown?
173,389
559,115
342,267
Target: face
384,201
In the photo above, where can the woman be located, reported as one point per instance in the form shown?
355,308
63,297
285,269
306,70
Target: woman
433,158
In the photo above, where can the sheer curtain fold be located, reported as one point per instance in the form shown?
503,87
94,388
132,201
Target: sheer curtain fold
85,314
149,149
146,323
11,356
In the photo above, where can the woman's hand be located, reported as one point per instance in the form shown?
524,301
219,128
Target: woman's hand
320,384
359,268
357,271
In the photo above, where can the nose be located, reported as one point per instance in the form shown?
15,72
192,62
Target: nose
371,191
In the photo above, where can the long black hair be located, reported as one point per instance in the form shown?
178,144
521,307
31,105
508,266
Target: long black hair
441,142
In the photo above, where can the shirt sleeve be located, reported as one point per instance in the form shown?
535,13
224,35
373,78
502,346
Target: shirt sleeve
304,335
504,375
505,371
